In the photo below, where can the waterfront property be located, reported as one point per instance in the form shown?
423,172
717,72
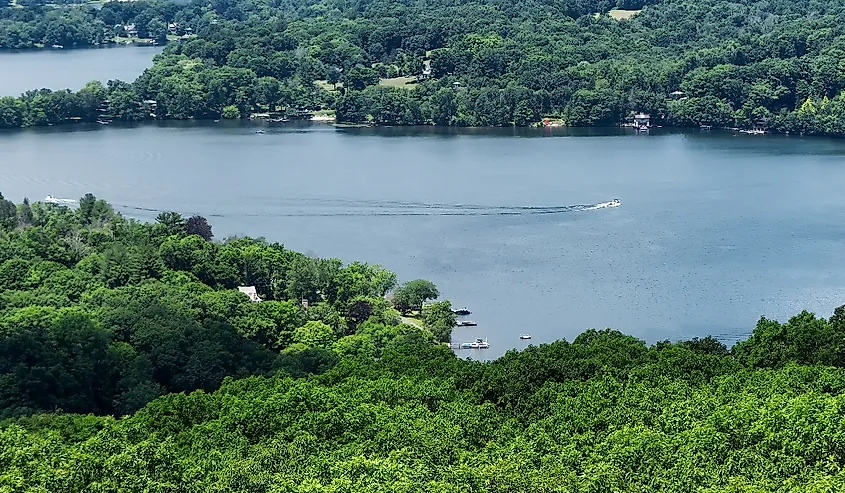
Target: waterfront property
642,121
251,292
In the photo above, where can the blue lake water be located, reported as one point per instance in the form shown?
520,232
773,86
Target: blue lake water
714,230
71,69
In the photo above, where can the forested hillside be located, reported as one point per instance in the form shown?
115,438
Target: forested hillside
774,64
100,314
604,413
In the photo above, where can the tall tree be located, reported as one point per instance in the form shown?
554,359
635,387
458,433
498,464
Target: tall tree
198,225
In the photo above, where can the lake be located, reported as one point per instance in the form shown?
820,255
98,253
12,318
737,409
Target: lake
714,230
71,69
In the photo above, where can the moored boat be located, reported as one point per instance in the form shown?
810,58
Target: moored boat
479,344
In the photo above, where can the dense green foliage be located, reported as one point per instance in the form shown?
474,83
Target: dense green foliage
774,64
90,25
605,413
102,314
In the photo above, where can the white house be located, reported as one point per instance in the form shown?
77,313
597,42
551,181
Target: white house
251,292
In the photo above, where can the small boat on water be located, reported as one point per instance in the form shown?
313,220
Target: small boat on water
53,200
259,132
462,311
466,323
525,336
615,203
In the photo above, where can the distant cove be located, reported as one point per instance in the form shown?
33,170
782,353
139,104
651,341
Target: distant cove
71,68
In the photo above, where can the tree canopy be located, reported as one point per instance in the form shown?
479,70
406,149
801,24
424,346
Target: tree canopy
100,314
604,412
769,64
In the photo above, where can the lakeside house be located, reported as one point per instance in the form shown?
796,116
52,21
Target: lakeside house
642,120
150,106
251,292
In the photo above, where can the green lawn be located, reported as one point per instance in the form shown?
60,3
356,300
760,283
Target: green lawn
620,14
324,84
403,82
412,320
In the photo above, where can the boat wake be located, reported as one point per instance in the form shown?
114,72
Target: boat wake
363,208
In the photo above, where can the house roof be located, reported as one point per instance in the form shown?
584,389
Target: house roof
249,291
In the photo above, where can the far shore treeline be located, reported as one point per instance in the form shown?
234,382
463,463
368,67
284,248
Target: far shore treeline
130,362
773,64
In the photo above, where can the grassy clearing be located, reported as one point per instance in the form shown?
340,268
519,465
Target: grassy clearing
619,14
324,85
324,113
413,318
403,82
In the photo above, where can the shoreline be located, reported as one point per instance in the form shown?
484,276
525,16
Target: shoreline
328,121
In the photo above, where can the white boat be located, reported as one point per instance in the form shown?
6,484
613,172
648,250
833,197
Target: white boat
53,200
479,344
466,323
525,336
615,203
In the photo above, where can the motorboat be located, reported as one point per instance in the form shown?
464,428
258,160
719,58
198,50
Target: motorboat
462,311
53,200
615,203
525,336
479,344
466,323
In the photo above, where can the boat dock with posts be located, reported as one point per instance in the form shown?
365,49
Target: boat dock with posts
477,344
